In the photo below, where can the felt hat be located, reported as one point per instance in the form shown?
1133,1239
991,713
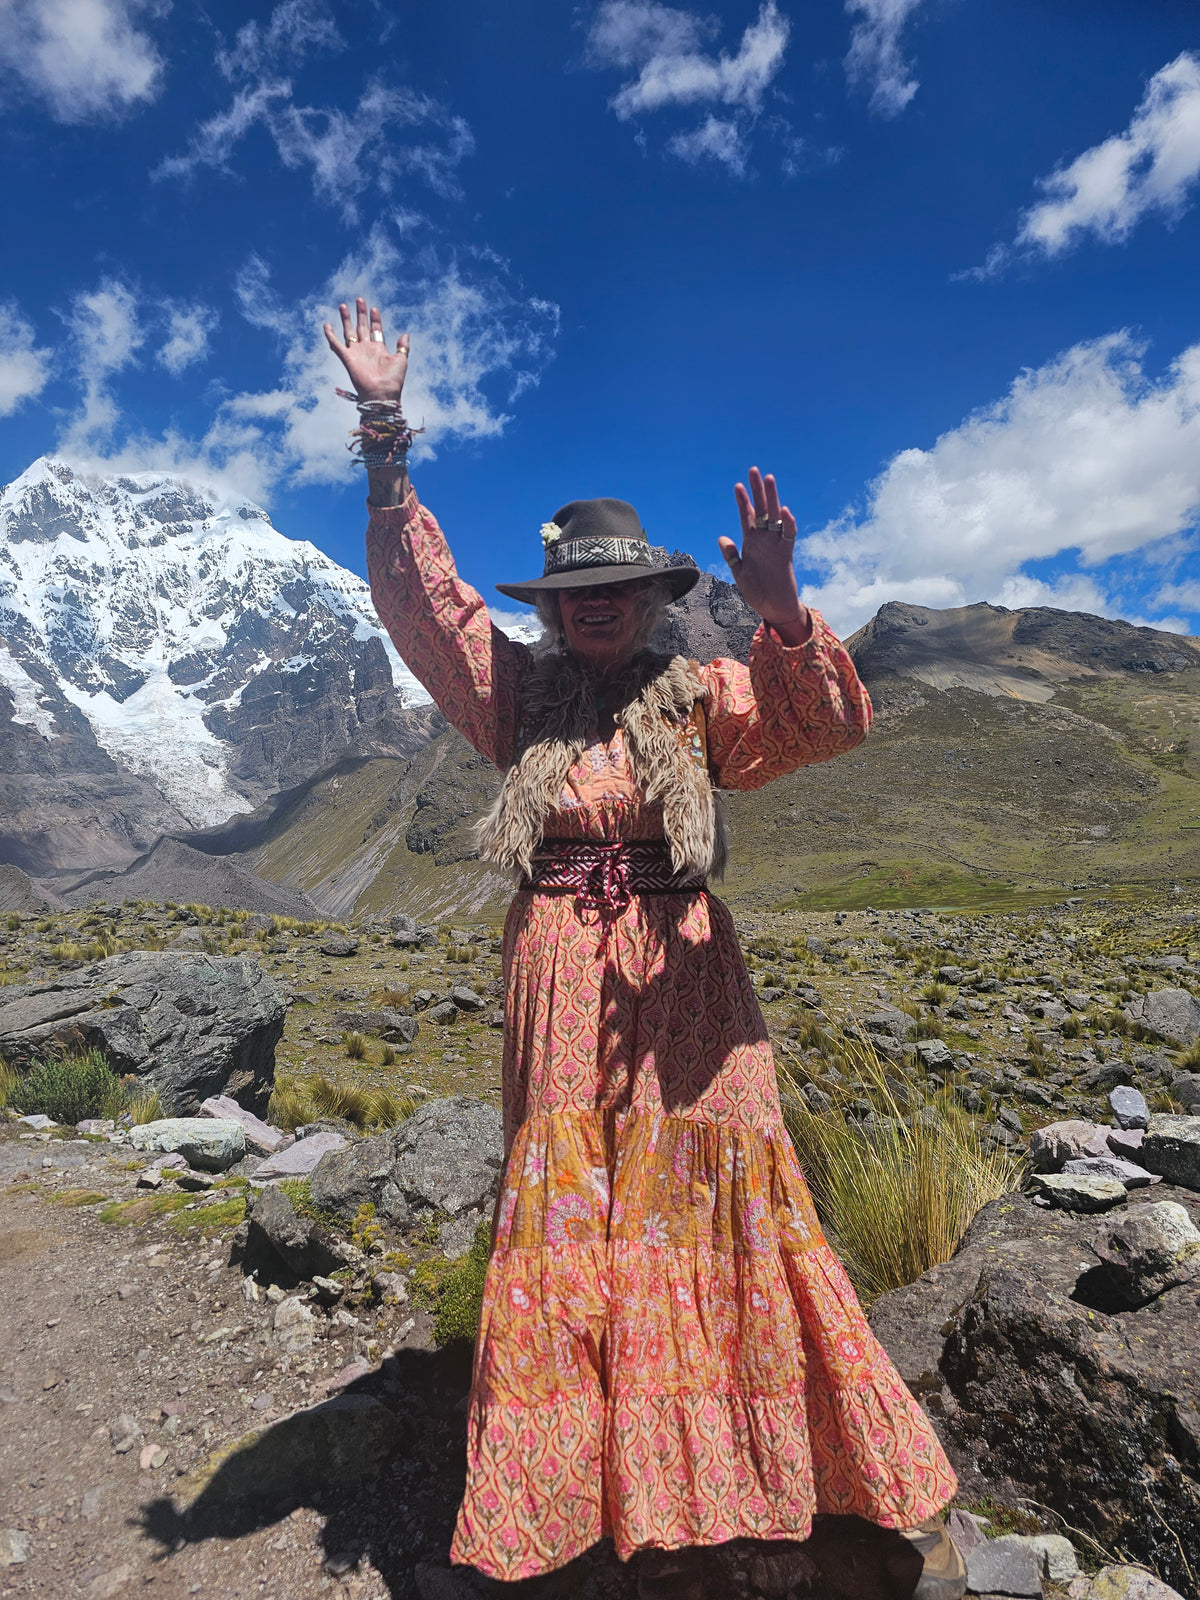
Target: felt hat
592,542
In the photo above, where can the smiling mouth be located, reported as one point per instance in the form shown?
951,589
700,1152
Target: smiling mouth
597,619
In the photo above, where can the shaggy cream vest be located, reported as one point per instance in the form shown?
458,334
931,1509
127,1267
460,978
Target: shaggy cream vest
658,705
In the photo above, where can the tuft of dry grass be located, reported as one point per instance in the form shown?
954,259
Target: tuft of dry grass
355,1045
296,1101
895,1195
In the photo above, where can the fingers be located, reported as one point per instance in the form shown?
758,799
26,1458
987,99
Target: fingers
347,330
376,327
730,551
789,523
745,508
402,345
759,492
772,494
363,329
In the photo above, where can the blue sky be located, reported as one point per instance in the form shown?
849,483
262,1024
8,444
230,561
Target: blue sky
932,262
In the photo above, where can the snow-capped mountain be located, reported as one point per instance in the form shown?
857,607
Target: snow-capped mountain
158,631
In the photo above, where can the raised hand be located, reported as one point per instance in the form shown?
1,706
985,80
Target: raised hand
374,373
763,569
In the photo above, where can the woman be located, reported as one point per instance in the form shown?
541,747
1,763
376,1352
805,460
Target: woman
669,1353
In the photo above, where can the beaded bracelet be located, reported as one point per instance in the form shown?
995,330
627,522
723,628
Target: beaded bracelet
383,437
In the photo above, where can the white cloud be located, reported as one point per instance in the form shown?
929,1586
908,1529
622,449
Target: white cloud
665,50
1084,454
714,140
875,58
24,367
346,151
188,328
471,334
295,29
87,59
1153,167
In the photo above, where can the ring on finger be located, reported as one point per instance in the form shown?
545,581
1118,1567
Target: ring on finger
762,521
351,338
776,527
376,336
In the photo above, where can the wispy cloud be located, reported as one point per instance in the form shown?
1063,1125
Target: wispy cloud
875,59
475,341
188,329
294,30
668,54
346,152
1085,454
1151,169
24,366
87,60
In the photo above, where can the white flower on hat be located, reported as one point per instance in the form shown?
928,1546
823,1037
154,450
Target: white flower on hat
551,534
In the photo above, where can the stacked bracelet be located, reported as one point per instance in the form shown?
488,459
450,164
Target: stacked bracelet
383,437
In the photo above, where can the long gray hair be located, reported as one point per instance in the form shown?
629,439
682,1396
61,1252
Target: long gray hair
652,597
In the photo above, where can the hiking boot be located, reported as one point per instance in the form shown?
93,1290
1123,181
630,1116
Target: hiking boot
944,1574
671,1574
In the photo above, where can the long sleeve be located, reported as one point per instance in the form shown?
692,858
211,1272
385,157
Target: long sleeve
792,706
441,628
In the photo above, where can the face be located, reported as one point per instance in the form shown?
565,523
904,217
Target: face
601,623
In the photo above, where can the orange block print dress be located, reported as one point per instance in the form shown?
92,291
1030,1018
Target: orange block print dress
669,1351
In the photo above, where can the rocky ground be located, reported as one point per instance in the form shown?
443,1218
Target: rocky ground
136,1347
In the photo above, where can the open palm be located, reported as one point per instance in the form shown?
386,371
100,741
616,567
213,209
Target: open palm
763,569
374,372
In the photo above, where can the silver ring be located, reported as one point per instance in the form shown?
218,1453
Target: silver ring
762,522
376,336
776,527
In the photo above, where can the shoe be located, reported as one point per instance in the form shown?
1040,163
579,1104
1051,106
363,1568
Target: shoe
671,1574
944,1574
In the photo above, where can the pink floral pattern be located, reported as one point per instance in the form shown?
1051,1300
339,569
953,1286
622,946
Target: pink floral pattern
669,1351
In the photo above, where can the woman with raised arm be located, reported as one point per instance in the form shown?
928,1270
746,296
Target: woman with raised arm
669,1352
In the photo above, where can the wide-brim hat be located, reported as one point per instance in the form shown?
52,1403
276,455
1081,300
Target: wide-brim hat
591,542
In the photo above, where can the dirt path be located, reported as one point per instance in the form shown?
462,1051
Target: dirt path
129,1354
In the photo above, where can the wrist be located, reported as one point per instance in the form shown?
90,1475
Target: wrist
793,629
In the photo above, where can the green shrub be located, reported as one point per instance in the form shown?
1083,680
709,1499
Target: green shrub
12,921
9,1079
935,993
69,1088
453,1290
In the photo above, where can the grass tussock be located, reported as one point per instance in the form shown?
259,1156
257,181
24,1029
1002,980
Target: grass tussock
298,1101
355,1045
897,1194
78,1084
453,1290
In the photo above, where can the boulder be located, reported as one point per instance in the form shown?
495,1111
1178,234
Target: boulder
299,1159
189,1025
338,944
1059,1142
446,1158
293,1327
1077,1191
305,1250
1126,1142
1004,1566
466,999
203,1142
1126,1172
1129,1583
1148,1250
934,1053
393,1027
1172,1147
1129,1107
1170,1014
1042,1385
1185,1087
443,1013
259,1135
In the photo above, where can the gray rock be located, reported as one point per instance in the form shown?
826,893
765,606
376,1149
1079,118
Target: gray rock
299,1159
1054,1553
1126,1172
446,1158
894,1024
1148,1250
95,1125
1051,1011
950,974
466,999
934,1053
338,945
293,1326
443,1013
14,1547
1107,1076
1185,1087
423,998
1172,1147
189,1025
1129,1583
1078,1000
1077,1192
457,1236
39,1121
393,1027
965,1529
276,1230
1059,1142
1126,1142
259,1135
1004,1566
1170,1014
1129,1107
203,1142
770,994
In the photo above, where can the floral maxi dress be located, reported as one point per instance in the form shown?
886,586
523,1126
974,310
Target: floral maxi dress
669,1352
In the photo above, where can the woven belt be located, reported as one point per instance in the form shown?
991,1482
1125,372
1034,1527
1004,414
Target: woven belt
605,877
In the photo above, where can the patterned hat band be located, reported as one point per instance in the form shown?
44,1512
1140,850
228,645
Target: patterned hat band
568,554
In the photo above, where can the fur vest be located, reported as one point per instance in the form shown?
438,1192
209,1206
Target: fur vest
658,703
